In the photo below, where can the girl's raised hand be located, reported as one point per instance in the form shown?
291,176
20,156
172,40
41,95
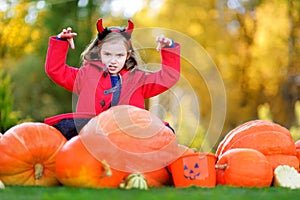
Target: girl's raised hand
67,34
162,41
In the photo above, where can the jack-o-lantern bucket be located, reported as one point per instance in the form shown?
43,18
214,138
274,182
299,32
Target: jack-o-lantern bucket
197,169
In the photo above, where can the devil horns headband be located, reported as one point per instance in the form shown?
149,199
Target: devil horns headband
126,32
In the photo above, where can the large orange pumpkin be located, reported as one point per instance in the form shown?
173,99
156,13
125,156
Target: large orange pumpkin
129,140
27,154
244,168
76,167
271,139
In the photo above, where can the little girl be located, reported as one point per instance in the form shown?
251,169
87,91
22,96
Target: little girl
110,74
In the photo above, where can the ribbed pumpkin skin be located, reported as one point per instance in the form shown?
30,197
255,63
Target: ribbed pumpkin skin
131,140
271,139
27,148
76,167
244,168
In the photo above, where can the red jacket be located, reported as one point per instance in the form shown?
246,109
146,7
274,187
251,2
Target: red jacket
93,86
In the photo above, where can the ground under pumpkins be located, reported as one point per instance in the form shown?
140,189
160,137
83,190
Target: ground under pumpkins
128,147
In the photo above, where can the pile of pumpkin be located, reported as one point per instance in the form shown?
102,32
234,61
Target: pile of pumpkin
129,147
258,154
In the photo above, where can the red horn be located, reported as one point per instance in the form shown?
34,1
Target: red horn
100,27
130,27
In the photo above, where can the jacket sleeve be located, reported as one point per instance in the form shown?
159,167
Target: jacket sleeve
167,76
56,67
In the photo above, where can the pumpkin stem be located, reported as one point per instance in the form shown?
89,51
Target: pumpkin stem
221,166
106,168
38,170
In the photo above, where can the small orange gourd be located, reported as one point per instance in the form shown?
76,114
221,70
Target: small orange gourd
27,154
244,167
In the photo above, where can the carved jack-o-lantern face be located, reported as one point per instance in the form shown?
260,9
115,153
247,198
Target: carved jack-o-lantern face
191,172
195,168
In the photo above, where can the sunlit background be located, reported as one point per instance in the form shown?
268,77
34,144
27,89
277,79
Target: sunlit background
253,44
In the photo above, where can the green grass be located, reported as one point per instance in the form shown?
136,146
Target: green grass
219,192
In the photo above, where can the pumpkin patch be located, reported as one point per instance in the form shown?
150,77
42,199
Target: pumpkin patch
28,153
128,147
271,139
129,139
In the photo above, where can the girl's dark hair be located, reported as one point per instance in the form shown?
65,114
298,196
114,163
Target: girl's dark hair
92,52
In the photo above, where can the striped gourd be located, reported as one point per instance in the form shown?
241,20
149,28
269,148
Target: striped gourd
135,181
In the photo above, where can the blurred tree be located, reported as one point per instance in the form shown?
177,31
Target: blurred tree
266,33
199,21
290,89
15,35
270,56
8,117
254,45
17,39
27,25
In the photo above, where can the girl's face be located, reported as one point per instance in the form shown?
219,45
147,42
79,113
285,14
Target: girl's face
113,56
